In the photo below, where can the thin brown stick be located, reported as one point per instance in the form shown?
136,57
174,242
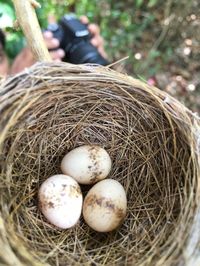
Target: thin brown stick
27,19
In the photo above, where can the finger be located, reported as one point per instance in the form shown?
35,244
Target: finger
57,55
84,19
94,29
97,41
57,60
102,52
47,34
51,43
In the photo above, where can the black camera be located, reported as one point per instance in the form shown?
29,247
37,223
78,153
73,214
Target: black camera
74,39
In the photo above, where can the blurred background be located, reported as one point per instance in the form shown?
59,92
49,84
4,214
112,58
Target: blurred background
161,38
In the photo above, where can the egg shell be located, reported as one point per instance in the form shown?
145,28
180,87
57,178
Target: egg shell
87,164
104,207
60,200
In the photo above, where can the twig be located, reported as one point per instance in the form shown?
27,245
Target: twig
27,19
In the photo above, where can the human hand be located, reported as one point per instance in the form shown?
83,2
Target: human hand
26,59
53,44
97,40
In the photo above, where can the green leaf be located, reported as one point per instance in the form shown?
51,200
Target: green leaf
154,54
152,3
14,43
139,3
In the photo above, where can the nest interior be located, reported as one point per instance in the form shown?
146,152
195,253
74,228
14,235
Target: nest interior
52,108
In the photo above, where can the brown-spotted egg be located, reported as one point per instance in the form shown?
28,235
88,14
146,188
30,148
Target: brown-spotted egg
60,200
104,207
87,164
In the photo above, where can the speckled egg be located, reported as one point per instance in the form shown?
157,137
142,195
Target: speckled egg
104,207
87,164
60,200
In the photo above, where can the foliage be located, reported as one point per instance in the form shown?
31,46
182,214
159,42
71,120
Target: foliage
148,31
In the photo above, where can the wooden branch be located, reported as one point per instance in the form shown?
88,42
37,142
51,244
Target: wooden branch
27,19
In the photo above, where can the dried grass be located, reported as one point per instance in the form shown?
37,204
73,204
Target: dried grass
153,141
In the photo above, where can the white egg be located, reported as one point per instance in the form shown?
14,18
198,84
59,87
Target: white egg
60,200
104,207
87,164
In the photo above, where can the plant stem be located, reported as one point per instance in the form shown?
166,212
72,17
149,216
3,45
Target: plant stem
27,19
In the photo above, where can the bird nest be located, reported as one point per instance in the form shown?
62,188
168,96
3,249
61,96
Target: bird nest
153,141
